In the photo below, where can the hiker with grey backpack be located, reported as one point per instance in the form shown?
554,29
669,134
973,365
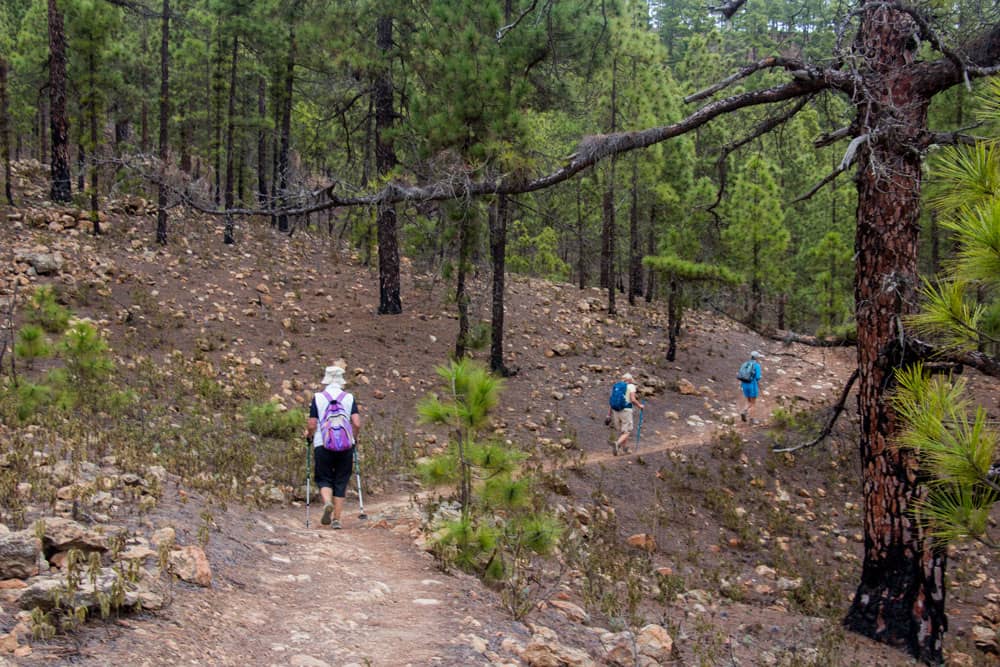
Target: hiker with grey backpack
333,426
749,377
621,406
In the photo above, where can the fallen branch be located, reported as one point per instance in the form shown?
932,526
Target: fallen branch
838,408
786,336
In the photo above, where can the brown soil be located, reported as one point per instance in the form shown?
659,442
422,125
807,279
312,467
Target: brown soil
368,595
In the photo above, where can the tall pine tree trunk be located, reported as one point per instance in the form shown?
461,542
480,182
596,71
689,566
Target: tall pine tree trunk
161,190
286,129
499,212
608,245
144,87
5,132
901,598
95,217
389,302
634,254
651,250
461,292
261,143
218,86
581,269
231,124
61,188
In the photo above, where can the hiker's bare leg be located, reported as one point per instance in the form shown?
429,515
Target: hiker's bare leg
338,507
326,493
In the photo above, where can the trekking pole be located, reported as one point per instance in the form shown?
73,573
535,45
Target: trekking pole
357,473
638,430
308,476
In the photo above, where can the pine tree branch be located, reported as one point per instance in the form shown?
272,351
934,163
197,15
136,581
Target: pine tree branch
918,350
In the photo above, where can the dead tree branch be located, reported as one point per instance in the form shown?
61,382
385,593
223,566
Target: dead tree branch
501,32
762,128
767,63
838,408
832,137
729,9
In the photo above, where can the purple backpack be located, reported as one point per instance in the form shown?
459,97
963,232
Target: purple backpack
335,427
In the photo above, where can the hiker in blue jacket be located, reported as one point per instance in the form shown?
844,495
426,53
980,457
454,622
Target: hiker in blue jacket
333,468
751,388
620,409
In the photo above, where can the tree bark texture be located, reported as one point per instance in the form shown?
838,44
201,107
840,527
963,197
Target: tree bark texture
390,302
900,600
5,132
581,247
61,187
634,239
161,191
262,144
95,218
231,124
461,292
286,129
499,213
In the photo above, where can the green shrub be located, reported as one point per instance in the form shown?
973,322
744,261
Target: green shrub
269,420
31,344
45,311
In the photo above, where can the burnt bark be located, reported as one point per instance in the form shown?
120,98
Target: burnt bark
61,187
231,125
499,219
674,314
634,253
389,302
164,133
581,247
286,129
461,292
5,132
95,217
900,600
261,143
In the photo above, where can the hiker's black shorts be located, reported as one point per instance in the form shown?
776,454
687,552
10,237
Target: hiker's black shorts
333,469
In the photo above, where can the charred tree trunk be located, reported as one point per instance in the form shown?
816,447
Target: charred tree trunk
674,311
144,104
634,253
651,250
608,249
61,187
5,132
461,292
231,125
389,302
161,190
261,144
218,88
286,129
581,247
900,600
499,213
95,217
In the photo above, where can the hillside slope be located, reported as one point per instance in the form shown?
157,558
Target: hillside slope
755,555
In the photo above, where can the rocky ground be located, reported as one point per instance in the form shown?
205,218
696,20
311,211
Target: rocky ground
745,556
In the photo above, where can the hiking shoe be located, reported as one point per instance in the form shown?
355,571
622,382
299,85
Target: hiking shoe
336,524
327,513
743,415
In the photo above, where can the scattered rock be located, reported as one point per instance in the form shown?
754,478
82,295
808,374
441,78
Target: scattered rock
643,541
19,553
191,564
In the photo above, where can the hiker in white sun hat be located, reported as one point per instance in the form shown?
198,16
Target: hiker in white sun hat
334,460
620,410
